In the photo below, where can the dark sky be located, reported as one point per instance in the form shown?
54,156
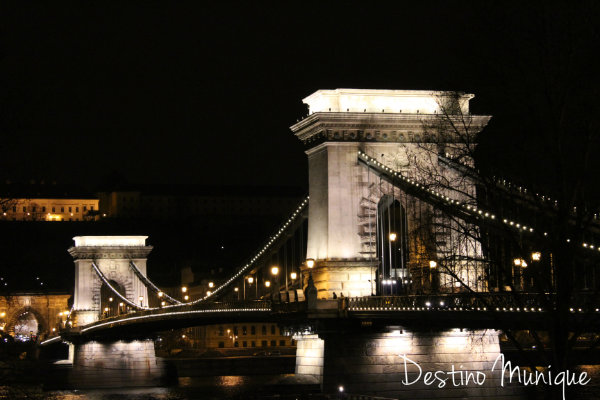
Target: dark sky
194,93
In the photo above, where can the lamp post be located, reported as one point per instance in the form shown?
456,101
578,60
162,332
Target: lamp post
250,280
141,299
275,273
432,268
184,290
237,290
392,238
293,275
310,263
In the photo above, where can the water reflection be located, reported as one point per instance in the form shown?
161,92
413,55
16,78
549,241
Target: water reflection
188,388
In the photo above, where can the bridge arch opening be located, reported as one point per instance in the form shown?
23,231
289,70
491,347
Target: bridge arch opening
27,324
110,303
392,246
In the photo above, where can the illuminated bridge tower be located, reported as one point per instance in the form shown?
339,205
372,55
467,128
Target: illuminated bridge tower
101,261
111,256
352,212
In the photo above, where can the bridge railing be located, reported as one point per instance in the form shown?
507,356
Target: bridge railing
506,301
221,306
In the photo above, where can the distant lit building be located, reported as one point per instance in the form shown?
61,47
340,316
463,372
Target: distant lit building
51,210
242,335
28,315
46,203
173,202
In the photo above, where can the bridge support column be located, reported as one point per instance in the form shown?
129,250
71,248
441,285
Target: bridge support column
373,364
350,278
309,356
115,364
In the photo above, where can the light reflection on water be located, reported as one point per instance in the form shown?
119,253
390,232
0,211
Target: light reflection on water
209,388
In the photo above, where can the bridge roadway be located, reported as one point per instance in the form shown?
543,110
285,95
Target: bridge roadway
445,311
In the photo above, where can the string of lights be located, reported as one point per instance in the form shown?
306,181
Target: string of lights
272,239
171,313
103,278
464,207
512,186
149,284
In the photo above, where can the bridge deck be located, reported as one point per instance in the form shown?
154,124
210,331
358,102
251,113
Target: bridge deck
472,310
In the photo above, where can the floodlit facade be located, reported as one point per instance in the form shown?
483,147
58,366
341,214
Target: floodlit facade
238,336
49,209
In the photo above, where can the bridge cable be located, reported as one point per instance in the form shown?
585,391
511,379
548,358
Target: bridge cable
461,210
148,283
270,241
103,278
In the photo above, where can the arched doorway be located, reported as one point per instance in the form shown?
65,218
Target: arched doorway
110,303
392,246
27,326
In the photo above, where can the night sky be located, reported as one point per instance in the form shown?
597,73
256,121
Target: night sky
158,92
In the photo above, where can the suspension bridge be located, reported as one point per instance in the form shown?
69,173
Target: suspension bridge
392,263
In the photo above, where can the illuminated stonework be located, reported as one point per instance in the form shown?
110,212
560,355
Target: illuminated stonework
102,241
117,364
380,101
390,126
393,364
112,256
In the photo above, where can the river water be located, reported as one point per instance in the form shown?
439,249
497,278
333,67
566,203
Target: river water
209,388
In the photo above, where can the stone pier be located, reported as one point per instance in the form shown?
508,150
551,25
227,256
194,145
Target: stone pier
393,364
116,364
309,356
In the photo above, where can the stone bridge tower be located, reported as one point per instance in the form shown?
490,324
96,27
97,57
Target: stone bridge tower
111,254
347,203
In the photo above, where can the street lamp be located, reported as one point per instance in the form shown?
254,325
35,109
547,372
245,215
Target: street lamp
186,297
160,294
141,299
250,281
184,290
310,263
237,290
393,236
211,284
536,256
267,283
208,293
432,266
275,273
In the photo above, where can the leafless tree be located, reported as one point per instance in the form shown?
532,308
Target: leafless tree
516,237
